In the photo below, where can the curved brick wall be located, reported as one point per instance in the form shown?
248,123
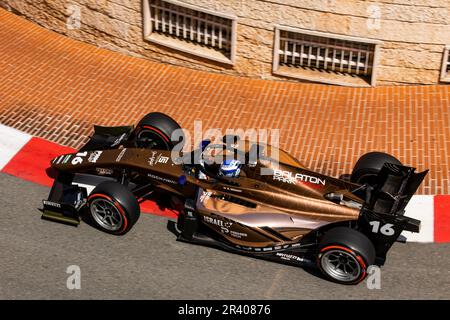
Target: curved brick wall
413,32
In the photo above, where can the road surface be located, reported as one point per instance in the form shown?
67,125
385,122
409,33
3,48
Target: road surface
148,263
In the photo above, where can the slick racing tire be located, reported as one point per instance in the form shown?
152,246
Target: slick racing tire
344,255
369,165
113,208
155,130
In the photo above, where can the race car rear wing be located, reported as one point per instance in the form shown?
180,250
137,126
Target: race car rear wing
395,185
382,217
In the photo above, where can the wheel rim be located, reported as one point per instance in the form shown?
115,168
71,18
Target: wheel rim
340,265
149,139
106,214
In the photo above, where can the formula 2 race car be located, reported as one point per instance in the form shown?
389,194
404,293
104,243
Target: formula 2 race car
290,215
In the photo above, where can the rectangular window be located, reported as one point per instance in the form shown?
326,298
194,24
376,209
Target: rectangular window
445,72
190,29
324,57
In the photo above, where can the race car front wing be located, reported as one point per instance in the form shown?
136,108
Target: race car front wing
64,202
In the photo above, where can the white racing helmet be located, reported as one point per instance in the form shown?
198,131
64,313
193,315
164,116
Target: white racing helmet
230,168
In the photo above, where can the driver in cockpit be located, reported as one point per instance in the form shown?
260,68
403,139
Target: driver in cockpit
230,168
218,161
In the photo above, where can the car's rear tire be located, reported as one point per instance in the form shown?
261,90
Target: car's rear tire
113,208
369,165
344,255
155,130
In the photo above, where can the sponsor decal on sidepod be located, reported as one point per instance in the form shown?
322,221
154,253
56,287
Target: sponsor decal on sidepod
289,177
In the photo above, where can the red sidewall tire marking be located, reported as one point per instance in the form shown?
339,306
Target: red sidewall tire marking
159,132
118,206
358,257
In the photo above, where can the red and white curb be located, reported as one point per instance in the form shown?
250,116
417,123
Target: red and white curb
28,157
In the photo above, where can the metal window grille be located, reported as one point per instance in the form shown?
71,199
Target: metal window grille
445,73
448,62
319,51
192,25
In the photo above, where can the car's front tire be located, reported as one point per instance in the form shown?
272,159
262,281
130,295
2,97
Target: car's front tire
113,208
344,255
155,130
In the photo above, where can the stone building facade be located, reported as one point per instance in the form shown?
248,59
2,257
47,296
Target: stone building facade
346,42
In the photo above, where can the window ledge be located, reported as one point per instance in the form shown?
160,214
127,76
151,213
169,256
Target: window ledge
188,47
323,76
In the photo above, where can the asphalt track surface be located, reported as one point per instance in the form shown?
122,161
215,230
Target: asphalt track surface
148,263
